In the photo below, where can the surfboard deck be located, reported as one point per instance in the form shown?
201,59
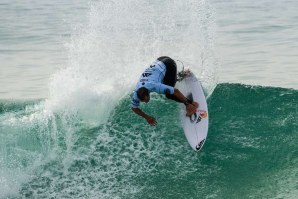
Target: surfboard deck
195,126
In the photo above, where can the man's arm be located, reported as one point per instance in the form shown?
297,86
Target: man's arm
180,96
168,90
150,120
191,106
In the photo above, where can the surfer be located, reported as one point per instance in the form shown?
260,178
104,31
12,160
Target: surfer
159,77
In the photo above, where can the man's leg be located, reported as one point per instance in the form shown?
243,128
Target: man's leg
171,75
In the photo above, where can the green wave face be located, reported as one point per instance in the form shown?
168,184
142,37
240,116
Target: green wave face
250,152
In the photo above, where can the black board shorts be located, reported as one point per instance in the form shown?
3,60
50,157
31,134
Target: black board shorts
171,71
170,78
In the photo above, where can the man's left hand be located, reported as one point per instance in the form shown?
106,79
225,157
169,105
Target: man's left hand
191,108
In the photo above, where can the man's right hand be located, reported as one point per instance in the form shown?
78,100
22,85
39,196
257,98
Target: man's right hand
151,120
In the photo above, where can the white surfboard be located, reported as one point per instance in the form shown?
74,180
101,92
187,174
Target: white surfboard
195,126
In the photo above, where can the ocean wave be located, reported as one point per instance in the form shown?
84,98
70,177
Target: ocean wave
251,145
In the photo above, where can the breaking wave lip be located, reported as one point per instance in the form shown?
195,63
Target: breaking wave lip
107,54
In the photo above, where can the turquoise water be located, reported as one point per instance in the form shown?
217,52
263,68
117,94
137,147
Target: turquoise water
251,150
66,128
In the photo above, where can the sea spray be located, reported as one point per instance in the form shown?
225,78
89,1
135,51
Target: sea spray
107,55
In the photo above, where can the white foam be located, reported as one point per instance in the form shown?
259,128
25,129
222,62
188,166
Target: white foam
107,55
10,181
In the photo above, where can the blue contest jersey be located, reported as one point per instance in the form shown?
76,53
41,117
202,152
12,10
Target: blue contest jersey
152,79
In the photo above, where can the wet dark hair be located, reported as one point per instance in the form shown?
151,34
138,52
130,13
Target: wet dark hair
142,92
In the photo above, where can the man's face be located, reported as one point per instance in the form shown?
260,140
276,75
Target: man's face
146,99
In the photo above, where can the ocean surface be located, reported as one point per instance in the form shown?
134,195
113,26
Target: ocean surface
67,70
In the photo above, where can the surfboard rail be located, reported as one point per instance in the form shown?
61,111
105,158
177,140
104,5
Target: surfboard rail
195,126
